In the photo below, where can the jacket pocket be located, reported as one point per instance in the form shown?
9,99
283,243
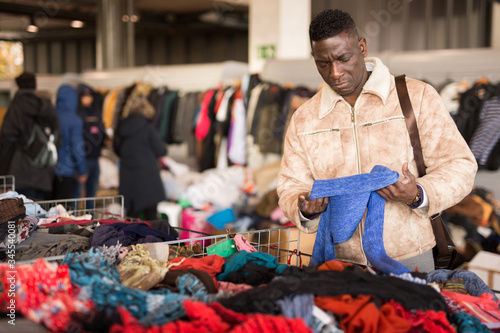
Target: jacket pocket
325,151
388,142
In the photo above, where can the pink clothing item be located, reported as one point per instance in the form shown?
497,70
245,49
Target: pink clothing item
483,307
203,124
243,245
233,287
278,215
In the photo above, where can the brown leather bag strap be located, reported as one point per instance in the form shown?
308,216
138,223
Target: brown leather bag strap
442,236
411,123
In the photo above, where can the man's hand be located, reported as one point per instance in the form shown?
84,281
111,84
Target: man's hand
403,190
311,207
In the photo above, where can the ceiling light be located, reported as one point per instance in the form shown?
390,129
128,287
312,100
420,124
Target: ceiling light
32,28
134,18
77,24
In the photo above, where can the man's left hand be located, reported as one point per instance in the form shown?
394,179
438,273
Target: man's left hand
403,190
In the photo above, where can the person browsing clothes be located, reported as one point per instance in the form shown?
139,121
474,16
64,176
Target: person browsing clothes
355,124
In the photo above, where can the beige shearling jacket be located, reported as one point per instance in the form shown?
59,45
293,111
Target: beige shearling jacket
327,138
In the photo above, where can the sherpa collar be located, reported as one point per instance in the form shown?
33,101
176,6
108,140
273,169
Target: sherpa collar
379,84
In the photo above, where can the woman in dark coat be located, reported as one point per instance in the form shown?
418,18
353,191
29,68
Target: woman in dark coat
139,146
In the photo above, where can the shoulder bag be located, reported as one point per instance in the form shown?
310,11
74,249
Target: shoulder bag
445,251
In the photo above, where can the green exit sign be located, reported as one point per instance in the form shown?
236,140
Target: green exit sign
266,52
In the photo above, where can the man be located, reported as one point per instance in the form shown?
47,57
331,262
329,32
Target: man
355,123
27,107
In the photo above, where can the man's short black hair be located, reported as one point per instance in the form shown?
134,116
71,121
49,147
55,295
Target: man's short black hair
26,80
330,23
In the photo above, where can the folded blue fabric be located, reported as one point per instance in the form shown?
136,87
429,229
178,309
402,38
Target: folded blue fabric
349,197
221,218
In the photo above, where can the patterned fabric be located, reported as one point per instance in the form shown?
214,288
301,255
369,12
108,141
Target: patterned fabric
486,134
101,283
22,232
456,286
11,208
483,307
44,294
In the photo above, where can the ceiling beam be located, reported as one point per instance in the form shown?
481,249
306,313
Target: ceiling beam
46,11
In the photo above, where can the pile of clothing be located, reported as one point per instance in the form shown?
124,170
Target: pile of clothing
137,288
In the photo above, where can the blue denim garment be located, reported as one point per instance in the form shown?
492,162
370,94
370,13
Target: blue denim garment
349,197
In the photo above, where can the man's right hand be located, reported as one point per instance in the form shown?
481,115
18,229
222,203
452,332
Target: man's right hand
311,207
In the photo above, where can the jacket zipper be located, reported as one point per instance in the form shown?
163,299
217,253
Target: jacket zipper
358,167
320,131
358,158
384,121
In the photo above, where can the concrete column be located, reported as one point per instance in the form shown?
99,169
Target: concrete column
115,45
278,29
495,26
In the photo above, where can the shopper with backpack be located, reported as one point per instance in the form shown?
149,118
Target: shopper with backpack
71,165
28,140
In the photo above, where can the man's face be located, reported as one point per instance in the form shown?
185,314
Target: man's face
340,62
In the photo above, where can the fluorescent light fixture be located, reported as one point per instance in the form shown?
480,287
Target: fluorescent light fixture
32,28
77,24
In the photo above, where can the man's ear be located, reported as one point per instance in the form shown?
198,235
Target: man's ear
362,46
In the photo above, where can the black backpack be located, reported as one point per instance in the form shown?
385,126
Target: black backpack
41,147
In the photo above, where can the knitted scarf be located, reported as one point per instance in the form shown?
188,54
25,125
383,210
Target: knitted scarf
349,197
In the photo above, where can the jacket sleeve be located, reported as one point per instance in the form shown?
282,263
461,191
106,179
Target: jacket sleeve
451,166
157,144
294,177
78,147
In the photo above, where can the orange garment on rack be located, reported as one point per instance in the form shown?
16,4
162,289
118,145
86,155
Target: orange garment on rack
211,264
108,108
487,210
360,314
468,207
334,265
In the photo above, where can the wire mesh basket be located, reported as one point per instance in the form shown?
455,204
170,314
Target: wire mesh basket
282,243
99,208
7,183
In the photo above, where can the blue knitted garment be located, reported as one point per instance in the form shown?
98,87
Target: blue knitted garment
349,197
